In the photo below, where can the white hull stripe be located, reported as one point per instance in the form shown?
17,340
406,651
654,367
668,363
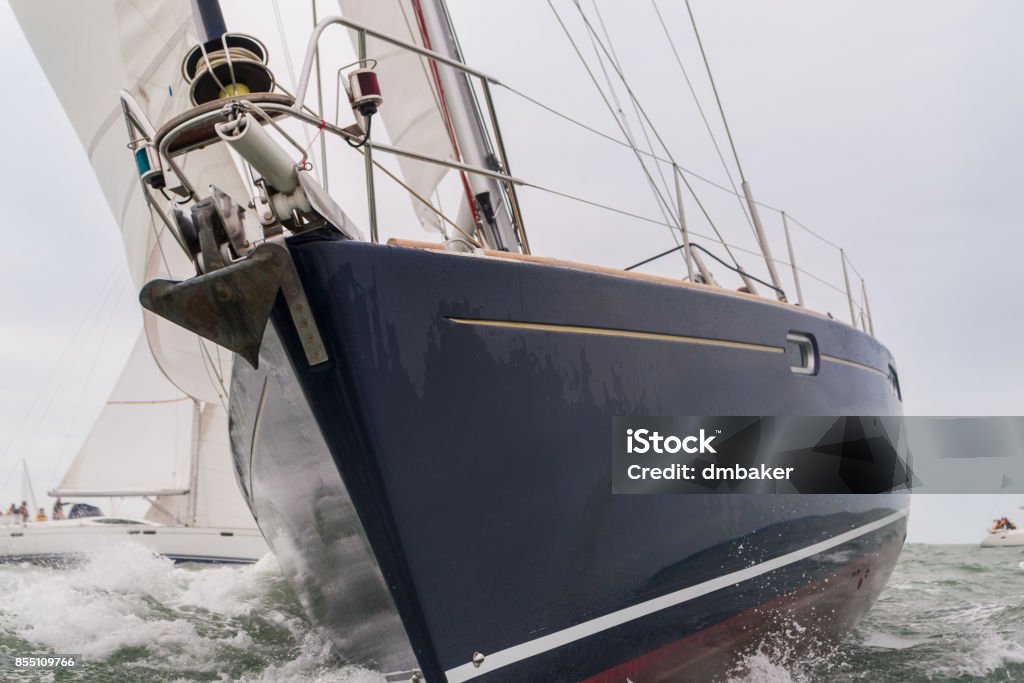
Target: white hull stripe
517,653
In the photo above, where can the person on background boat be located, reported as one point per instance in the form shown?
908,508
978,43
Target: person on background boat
58,510
23,511
1003,523
13,510
41,515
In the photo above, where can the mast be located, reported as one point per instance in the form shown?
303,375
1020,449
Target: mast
27,492
193,474
209,20
490,204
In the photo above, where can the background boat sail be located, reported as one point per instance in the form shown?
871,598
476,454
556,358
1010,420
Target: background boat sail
163,433
421,454
154,443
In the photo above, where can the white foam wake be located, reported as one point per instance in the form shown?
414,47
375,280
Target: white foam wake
126,604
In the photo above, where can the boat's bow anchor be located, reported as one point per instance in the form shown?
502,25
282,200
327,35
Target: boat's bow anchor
231,304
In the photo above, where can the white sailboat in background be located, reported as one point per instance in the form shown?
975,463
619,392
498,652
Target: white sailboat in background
151,442
163,435
1003,534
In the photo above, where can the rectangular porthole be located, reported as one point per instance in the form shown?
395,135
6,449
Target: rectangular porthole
894,383
802,353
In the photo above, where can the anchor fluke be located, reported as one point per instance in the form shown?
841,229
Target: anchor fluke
229,306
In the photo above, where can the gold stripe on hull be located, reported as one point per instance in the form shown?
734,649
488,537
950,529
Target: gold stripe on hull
610,332
853,364
653,336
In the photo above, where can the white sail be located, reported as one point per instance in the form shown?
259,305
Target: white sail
418,124
144,443
142,439
214,500
89,52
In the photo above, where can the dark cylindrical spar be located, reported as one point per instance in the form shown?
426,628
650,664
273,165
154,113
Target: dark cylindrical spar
209,20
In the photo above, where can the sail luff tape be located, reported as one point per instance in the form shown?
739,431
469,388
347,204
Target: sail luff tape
247,137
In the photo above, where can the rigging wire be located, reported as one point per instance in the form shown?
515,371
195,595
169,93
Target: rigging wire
714,89
663,204
73,422
611,138
103,309
709,253
703,115
686,172
426,202
279,21
599,205
601,92
820,237
74,344
213,373
622,128
654,129
654,221
615,140
617,112
320,104
636,112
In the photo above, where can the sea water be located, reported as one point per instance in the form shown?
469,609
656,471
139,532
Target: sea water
950,613
133,616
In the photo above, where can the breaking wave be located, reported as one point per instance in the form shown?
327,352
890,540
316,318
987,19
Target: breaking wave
135,616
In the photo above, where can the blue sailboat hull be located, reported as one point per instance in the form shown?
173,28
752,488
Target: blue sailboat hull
440,490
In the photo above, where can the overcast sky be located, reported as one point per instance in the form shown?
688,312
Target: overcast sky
892,128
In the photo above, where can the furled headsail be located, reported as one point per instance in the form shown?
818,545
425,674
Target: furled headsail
419,123
438,116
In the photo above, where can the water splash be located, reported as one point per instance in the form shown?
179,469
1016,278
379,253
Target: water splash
777,658
950,613
132,615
